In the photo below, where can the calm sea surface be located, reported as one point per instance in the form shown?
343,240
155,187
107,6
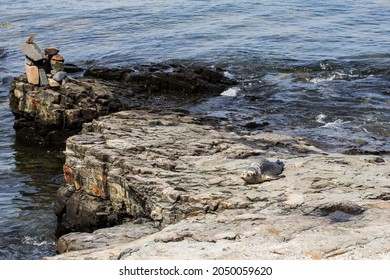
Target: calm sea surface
320,70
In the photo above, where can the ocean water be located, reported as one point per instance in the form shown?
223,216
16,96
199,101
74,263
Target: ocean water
319,70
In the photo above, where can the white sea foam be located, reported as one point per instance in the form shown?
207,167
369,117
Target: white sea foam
321,118
323,79
334,76
34,241
228,75
336,124
231,92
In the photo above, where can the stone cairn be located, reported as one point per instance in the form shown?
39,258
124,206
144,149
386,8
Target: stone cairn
43,68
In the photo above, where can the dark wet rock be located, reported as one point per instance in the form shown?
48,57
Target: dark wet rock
79,211
256,125
116,74
179,79
72,68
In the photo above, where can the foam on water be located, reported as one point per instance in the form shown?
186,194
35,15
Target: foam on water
321,118
337,124
229,75
34,240
231,92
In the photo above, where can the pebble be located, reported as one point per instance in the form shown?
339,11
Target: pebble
53,83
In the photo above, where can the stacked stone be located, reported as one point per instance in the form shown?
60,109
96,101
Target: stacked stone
44,68
57,75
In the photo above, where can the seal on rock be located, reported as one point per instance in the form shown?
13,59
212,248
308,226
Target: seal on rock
261,170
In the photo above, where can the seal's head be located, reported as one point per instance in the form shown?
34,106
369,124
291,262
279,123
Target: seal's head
280,163
250,175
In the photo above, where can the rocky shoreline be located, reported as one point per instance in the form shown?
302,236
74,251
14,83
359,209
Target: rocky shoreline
47,116
179,180
171,184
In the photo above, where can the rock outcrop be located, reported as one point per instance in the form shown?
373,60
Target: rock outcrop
48,115
177,177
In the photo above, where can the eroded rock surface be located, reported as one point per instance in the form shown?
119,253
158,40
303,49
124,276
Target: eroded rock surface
180,176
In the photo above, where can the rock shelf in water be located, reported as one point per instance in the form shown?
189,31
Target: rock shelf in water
178,178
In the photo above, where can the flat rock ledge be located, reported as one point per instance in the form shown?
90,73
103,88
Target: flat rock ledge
176,178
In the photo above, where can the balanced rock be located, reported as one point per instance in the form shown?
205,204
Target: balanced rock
42,77
57,62
51,51
32,73
53,83
32,51
59,76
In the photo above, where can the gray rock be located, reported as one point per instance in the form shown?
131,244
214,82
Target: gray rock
32,51
42,77
59,76
325,207
65,80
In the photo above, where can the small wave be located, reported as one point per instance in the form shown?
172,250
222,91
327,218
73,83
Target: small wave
231,92
228,75
334,76
321,118
28,240
322,79
336,124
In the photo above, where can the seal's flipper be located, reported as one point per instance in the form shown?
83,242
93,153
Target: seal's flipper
273,177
